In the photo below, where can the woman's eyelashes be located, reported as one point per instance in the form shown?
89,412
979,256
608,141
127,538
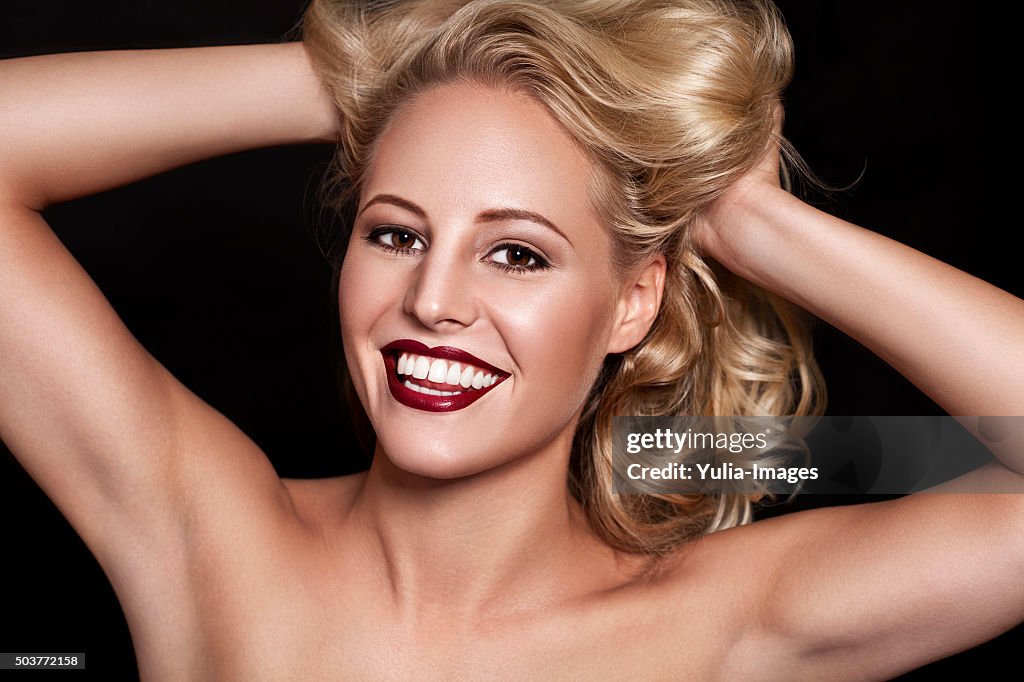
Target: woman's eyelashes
396,239
507,256
512,257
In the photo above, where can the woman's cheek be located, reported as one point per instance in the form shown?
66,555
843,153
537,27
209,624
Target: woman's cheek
365,288
555,330
364,296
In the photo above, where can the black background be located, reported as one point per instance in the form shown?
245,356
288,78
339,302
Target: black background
213,267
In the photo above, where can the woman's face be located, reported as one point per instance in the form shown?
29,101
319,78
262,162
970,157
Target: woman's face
477,295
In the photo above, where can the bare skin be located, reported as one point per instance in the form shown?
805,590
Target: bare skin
226,571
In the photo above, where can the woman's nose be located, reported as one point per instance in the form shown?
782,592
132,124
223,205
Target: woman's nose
440,294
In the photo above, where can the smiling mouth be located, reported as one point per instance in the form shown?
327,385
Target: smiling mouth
440,379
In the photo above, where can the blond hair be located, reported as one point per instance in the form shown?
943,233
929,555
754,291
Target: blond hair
673,100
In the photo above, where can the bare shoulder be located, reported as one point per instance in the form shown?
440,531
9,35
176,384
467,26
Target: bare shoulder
247,570
708,598
864,588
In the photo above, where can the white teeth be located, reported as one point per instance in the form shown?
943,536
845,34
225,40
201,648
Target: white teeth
453,374
438,371
429,391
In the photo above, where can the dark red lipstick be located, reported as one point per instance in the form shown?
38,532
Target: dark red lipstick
435,403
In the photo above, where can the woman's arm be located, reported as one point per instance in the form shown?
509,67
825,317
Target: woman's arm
957,338
880,588
130,456
76,124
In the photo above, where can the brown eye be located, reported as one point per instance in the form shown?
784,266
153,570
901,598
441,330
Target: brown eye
403,240
396,239
516,257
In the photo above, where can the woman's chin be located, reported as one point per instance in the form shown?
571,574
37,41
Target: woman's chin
434,460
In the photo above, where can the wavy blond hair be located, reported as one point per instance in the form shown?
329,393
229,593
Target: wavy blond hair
673,100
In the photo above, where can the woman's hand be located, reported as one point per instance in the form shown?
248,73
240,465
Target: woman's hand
957,338
719,232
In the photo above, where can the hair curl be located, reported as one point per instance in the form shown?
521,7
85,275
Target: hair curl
673,100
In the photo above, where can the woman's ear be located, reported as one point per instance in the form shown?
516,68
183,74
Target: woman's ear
638,305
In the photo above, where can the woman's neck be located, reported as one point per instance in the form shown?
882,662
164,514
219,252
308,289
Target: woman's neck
510,538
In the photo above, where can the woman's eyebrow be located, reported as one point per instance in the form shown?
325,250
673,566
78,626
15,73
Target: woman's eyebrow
495,214
396,201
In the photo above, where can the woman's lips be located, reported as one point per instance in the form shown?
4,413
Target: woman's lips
440,379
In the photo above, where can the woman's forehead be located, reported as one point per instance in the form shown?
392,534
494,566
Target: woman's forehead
469,147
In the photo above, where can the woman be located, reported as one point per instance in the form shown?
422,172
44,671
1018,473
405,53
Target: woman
440,306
